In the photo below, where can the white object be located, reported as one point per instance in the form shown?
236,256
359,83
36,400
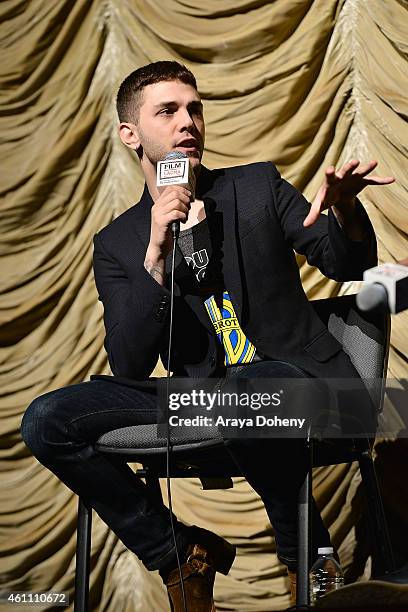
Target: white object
391,277
326,575
325,551
173,170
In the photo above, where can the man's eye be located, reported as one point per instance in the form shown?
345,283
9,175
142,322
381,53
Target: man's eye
166,111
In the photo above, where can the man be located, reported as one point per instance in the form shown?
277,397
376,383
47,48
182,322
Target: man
234,260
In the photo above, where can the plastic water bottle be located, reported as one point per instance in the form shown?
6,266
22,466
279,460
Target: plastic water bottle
326,574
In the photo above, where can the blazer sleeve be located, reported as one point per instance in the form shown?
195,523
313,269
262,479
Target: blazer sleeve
135,315
325,245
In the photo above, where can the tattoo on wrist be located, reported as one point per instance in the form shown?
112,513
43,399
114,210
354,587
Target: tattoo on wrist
154,272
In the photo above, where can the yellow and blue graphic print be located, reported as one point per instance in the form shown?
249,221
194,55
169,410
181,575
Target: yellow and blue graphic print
237,347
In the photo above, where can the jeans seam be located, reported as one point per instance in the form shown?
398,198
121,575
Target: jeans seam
121,410
163,559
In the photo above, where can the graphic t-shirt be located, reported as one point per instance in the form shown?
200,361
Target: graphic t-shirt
201,251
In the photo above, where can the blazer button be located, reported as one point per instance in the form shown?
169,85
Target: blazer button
212,361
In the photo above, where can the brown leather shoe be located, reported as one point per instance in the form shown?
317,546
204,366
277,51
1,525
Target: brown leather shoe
220,552
208,555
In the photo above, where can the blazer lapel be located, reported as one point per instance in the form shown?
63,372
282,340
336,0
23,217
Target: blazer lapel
221,201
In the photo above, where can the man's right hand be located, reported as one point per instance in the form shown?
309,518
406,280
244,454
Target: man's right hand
173,204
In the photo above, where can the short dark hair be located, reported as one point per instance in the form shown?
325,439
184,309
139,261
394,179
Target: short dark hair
129,94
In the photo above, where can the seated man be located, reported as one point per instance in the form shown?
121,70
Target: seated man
235,255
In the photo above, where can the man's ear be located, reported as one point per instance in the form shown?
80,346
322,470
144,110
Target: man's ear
129,135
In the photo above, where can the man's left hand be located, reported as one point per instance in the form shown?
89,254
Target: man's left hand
340,188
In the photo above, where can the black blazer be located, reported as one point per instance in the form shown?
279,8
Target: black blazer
262,219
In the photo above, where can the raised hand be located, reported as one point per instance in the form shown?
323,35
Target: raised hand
173,204
340,187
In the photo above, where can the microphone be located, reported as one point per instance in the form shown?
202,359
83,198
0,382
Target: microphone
175,169
386,288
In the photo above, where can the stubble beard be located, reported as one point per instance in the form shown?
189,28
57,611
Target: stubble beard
156,152
152,150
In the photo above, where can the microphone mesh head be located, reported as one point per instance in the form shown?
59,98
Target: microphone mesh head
372,297
174,155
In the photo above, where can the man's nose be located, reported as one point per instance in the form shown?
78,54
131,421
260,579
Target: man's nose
185,120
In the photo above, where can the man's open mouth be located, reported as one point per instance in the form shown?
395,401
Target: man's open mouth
188,143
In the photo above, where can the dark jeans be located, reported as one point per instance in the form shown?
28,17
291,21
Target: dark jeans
61,427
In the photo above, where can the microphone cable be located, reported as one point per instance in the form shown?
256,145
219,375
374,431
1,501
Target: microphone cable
175,230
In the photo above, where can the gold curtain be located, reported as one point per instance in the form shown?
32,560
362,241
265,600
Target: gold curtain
305,84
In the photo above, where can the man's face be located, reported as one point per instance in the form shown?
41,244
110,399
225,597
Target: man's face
171,119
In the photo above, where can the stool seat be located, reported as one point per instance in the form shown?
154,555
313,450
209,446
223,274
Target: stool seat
149,440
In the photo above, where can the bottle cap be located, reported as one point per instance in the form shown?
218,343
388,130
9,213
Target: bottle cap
328,550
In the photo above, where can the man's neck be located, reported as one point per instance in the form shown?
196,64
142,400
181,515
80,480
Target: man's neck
196,214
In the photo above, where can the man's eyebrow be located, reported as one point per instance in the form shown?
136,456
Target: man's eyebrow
174,103
169,103
196,103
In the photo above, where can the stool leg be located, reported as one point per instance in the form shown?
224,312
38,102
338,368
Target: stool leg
383,562
83,553
304,534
